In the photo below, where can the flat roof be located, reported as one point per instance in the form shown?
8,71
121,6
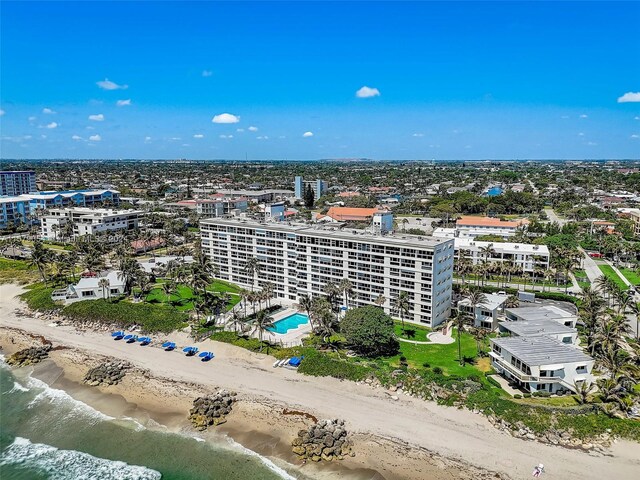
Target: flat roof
511,247
332,231
541,350
472,221
536,328
543,312
493,301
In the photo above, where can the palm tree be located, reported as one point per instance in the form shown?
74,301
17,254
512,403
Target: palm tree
464,265
583,389
346,287
40,257
479,335
252,268
401,305
476,299
104,283
635,310
261,324
460,321
306,304
236,321
168,288
128,270
143,282
332,291
381,300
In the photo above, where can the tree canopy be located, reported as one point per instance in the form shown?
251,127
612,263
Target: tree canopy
370,331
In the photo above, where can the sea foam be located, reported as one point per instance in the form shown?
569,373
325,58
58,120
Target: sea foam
70,464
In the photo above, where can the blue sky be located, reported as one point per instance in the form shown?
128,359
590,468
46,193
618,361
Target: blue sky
445,80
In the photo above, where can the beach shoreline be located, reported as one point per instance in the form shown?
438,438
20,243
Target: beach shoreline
403,439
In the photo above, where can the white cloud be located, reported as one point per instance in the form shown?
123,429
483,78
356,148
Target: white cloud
262,137
635,136
592,143
47,111
307,134
52,125
31,118
239,130
207,73
123,103
89,127
76,138
565,116
226,136
97,118
636,118
186,145
225,118
43,136
581,134
176,138
95,138
1,112
147,139
27,137
629,97
584,116
107,84
367,92
418,135
253,129
198,135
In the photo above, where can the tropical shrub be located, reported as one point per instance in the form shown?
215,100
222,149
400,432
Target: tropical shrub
370,331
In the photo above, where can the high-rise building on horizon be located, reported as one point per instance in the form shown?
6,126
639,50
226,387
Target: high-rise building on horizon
13,183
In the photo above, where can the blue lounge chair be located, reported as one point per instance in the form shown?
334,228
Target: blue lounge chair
144,341
168,346
119,335
206,356
131,338
190,351
295,361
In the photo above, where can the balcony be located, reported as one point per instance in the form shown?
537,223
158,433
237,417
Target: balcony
523,377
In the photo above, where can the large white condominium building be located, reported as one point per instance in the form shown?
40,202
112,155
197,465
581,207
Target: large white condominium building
87,221
525,256
301,259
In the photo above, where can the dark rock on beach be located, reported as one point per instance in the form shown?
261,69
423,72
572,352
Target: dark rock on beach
29,356
326,441
108,373
211,410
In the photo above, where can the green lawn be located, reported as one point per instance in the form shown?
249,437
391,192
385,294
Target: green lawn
420,334
182,300
436,355
631,275
610,273
17,271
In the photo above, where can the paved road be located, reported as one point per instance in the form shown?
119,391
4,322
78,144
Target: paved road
590,267
553,217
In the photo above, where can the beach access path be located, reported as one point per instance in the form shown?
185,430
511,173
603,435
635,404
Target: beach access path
446,431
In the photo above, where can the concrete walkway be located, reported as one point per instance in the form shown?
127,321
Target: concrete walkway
619,273
590,267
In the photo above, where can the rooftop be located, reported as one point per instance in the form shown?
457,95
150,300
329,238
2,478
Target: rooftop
544,312
471,221
541,351
492,302
536,328
469,243
334,231
351,213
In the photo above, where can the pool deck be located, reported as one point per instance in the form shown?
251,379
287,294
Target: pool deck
292,337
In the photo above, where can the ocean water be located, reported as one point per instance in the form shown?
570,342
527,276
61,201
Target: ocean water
47,434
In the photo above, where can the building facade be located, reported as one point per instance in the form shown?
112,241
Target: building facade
13,183
87,221
471,227
220,207
300,186
540,363
301,259
13,211
526,257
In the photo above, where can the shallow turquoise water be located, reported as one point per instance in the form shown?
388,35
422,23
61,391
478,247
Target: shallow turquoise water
47,434
289,323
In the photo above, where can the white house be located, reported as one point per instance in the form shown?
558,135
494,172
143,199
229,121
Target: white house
88,221
541,363
526,257
90,288
543,312
487,314
539,328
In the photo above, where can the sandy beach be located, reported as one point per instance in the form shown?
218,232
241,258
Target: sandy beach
404,439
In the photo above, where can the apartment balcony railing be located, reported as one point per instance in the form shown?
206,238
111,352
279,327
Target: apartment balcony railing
520,375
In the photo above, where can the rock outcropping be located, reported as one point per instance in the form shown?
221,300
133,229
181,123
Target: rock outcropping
211,410
29,356
326,440
108,373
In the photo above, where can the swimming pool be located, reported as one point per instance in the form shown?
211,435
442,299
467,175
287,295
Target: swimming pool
494,191
289,323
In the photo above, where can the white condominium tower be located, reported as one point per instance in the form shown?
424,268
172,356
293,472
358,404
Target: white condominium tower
301,259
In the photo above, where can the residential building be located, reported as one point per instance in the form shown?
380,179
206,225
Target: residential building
257,196
274,212
87,221
350,214
72,198
540,363
300,187
539,328
471,226
632,214
542,312
488,313
91,288
13,211
13,183
218,207
526,257
300,259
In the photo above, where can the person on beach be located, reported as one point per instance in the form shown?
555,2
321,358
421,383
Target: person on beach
538,471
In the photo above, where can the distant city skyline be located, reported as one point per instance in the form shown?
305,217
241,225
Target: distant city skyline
311,80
